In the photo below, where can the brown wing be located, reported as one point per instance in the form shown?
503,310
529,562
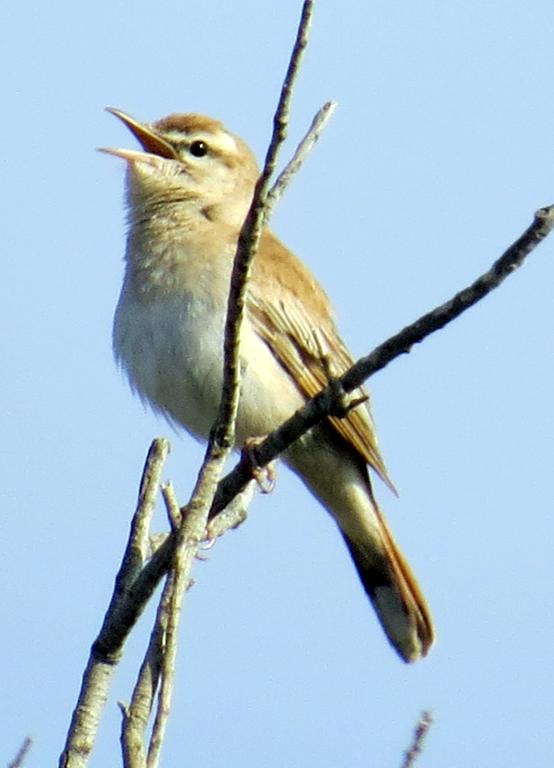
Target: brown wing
309,354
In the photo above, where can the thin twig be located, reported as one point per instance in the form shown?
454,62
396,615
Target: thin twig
135,717
402,342
420,733
172,599
139,539
138,546
171,506
319,123
223,432
19,759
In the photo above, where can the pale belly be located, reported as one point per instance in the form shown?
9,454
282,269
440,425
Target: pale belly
172,353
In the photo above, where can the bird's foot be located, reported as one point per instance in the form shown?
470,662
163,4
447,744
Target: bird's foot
266,476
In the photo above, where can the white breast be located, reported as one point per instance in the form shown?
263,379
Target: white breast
172,352
170,349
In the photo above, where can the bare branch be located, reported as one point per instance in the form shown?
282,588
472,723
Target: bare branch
159,661
223,431
234,513
402,342
136,716
131,740
328,401
106,649
319,123
170,613
158,668
420,733
172,506
139,539
19,759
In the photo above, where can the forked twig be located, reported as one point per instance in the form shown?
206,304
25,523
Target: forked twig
106,649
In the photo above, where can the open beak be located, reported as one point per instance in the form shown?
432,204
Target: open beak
153,144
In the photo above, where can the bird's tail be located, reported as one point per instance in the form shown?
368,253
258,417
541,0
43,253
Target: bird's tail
394,593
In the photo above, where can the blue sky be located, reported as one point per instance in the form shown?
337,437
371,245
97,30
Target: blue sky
439,153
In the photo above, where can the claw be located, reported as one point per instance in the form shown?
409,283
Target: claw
265,477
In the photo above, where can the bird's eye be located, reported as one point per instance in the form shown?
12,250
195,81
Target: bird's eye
198,148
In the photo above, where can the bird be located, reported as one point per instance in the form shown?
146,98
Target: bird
188,190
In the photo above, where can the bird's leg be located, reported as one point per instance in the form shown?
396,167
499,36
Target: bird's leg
265,477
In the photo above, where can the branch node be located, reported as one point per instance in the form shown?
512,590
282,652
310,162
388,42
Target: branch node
233,514
342,401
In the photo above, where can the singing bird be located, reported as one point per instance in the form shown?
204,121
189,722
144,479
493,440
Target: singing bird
189,188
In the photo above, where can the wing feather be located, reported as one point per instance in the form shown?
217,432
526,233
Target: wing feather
311,356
